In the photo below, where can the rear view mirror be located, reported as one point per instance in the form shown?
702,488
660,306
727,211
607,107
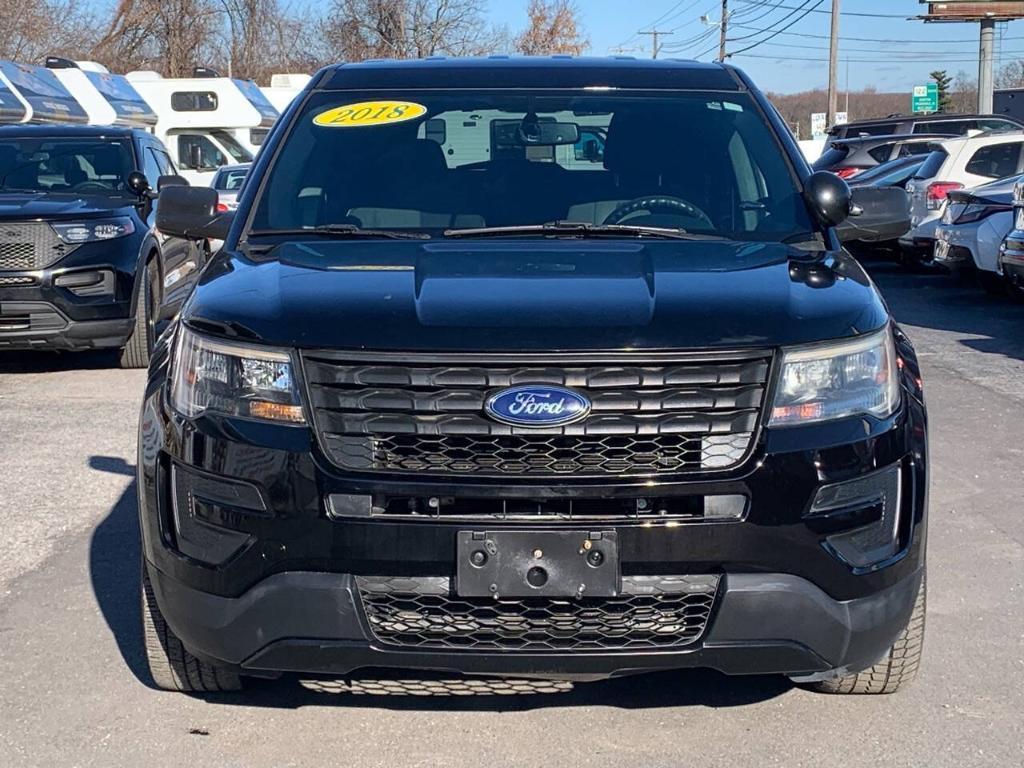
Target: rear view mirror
138,183
163,182
828,197
191,213
538,134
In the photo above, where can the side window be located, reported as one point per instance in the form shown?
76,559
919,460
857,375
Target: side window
193,101
996,161
150,167
163,160
196,151
1003,126
952,127
914,148
881,152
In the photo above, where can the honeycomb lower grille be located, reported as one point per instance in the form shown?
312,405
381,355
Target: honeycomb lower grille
27,245
652,612
408,416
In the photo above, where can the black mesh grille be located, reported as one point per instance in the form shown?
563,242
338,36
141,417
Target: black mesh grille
682,416
652,612
6,280
30,245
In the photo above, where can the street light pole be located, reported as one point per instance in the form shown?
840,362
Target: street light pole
986,54
833,66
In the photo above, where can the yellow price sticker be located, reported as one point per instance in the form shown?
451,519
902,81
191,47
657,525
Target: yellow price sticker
367,113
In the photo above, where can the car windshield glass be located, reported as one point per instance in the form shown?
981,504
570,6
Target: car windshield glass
430,161
885,169
230,180
92,166
236,150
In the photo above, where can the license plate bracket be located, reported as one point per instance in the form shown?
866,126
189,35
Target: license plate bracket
538,564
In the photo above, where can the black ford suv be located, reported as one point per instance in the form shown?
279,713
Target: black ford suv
467,391
80,264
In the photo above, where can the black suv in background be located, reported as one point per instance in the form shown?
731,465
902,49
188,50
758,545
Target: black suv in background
459,394
80,264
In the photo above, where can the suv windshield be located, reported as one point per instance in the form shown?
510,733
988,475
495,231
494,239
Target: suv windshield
230,143
73,165
434,160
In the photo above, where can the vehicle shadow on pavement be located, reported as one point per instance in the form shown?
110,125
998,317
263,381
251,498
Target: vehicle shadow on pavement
51,362
114,557
952,303
425,693
114,567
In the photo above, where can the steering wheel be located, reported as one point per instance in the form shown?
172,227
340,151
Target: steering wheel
85,185
662,204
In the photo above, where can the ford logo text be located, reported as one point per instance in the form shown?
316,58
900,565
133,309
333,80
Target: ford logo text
537,406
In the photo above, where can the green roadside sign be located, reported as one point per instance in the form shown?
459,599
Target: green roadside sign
925,98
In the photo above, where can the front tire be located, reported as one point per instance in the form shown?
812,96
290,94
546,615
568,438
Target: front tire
136,351
896,670
992,284
172,667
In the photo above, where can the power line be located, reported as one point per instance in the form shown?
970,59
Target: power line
655,34
845,13
875,39
780,31
889,60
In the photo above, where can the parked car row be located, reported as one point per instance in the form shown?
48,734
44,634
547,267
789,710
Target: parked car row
959,195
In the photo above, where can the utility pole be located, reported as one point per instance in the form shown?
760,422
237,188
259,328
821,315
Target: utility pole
986,51
655,34
724,25
833,62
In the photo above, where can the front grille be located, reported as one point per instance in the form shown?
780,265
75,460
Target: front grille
30,245
686,415
11,280
651,612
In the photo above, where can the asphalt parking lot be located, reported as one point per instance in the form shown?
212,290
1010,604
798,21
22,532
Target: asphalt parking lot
75,690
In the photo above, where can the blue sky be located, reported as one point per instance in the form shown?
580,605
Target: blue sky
795,60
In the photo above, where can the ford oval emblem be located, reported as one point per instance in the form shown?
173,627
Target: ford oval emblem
537,405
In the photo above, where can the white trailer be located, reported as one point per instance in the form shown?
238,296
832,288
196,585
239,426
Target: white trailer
107,99
35,95
198,117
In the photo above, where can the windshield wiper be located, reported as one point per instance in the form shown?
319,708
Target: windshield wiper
342,231
579,229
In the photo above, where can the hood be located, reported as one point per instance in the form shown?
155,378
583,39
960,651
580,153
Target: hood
542,295
15,204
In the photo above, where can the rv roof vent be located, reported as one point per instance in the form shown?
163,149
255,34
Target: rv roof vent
205,72
56,62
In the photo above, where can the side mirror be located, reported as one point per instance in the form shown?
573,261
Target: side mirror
163,182
191,213
828,197
138,183
195,157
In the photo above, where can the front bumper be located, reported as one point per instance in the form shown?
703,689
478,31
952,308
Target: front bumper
313,623
49,309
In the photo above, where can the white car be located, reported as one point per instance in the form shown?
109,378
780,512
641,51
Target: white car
228,182
973,225
956,164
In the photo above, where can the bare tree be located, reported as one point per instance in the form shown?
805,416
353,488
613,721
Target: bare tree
554,28
409,29
172,36
34,30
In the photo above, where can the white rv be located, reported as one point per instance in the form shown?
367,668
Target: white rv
197,119
280,93
107,99
30,94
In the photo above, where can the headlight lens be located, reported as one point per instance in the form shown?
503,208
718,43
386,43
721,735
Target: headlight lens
92,230
233,379
830,381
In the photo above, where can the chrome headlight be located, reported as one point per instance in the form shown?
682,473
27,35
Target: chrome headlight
92,230
831,381
233,379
